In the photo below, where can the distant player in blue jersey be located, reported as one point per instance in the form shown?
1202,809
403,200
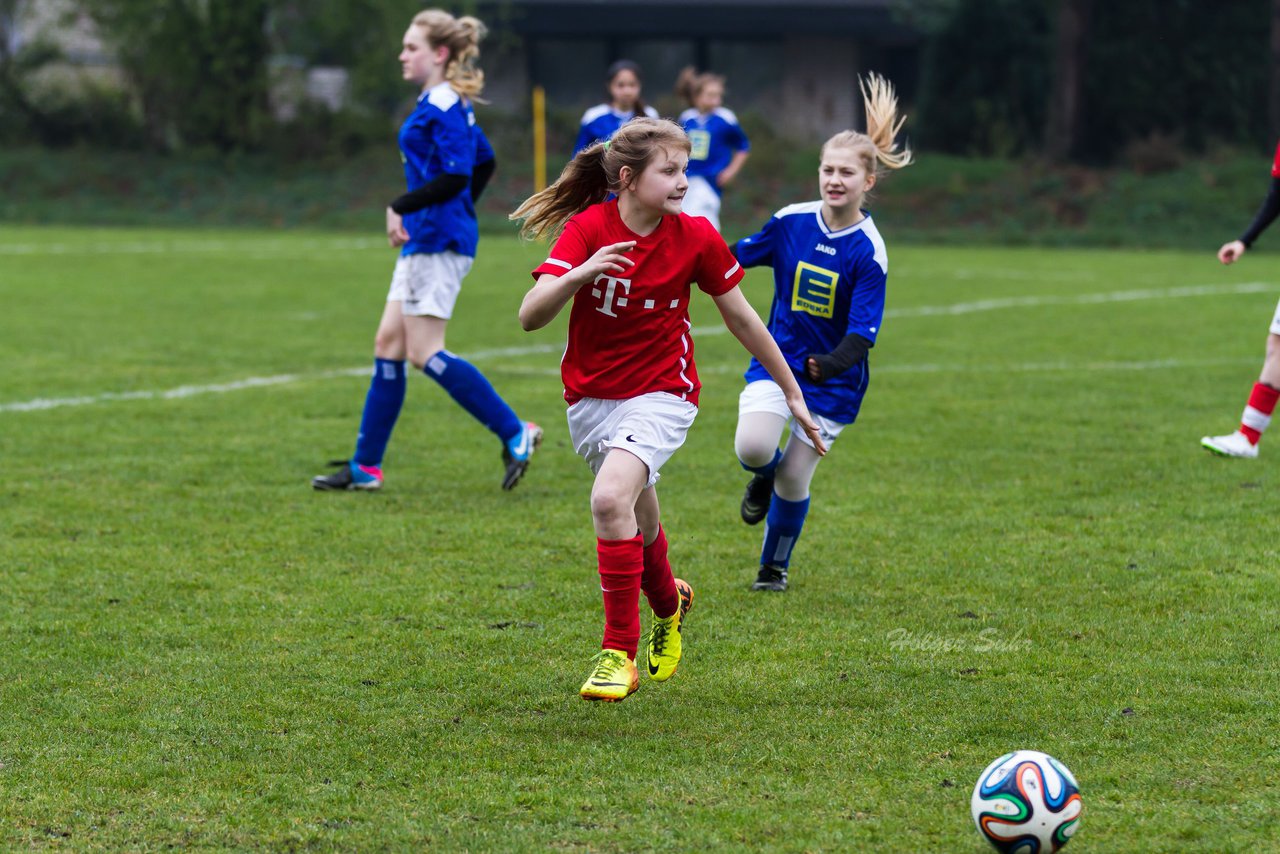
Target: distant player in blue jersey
720,146
829,271
447,162
622,84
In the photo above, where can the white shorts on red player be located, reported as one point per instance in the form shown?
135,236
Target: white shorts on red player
651,426
767,396
1275,321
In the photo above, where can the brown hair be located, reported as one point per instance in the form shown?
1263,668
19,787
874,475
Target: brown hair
595,172
690,83
876,146
613,71
462,36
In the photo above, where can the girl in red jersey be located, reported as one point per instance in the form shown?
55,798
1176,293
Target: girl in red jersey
1266,391
627,264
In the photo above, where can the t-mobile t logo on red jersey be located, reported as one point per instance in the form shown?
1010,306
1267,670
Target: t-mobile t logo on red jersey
608,292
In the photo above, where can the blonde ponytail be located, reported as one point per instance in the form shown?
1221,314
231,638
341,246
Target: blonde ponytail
883,123
462,36
877,145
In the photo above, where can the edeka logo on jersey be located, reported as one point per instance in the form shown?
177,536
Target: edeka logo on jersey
699,144
814,291
608,293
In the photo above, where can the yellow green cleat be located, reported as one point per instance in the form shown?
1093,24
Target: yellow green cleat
664,639
613,677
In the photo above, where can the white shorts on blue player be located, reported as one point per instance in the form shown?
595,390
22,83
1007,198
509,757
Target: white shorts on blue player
702,200
427,284
766,396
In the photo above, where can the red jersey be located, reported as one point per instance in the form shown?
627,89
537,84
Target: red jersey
629,334
1275,164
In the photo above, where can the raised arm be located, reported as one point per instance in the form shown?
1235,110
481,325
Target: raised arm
746,326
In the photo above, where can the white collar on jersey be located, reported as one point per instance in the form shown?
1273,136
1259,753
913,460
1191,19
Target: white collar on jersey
815,208
442,96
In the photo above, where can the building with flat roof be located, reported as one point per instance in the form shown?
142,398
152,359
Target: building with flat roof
796,62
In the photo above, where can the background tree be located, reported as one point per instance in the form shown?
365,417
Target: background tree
18,62
1175,71
362,36
52,116
1071,35
984,77
1096,82
1273,78
198,67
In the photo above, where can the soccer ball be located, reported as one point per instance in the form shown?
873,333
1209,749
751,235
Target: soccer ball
1026,802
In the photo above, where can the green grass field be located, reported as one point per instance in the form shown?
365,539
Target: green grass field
1019,545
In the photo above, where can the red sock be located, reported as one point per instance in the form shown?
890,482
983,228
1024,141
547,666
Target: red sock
621,565
1257,415
657,582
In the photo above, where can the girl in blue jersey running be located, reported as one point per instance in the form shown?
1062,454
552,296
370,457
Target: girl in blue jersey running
829,270
447,162
719,146
622,83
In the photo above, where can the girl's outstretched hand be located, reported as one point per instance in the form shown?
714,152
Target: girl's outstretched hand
608,260
795,402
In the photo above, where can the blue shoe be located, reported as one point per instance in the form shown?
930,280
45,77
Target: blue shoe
351,476
518,452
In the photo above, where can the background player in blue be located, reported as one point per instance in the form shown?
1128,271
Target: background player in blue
719,145
447,162
829,271
622,84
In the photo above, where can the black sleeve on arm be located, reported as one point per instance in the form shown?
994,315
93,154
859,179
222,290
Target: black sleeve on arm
439,189
480,178
851,350
1265,215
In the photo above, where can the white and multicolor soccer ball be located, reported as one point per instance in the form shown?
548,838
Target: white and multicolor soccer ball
1026,802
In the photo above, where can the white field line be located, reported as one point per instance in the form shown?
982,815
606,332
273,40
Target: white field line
43,403
1083,299
189,246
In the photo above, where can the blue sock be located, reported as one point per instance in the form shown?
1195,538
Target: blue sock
381,409
781,530
768,468
473,393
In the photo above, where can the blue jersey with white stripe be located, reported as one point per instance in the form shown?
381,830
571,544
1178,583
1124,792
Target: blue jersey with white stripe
713,138
441,137
601,122
826,285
